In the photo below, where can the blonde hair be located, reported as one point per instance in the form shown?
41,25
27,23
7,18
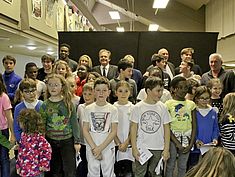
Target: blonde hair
65,91
217,162
88,86
228,106
212,82
61,62
89,60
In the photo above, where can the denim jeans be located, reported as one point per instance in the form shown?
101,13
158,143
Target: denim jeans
63,157
4,157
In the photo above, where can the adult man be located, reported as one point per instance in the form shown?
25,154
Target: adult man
216,71
10,79
186,54
169,67
64,55
105,69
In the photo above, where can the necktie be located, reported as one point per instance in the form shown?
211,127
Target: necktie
104,72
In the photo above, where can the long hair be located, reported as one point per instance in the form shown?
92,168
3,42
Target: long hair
61,62
89,65
65,91
228,106
217,162
2,86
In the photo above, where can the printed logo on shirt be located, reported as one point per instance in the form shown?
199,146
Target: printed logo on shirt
99,120
180,113
150,122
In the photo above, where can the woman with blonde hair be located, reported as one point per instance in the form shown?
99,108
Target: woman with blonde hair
85,60
217,162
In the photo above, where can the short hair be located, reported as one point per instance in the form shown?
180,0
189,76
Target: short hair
175,81
30,65
156,58
214,81
128,57
9,57
102,80
153,82
32,121
187,50
189,63
124,83
27,83
123,64
88,86
105,50
65,45
157,72
217,56
48,57
192,83
201,90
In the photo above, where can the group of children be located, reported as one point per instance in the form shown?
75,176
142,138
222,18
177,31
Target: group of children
114,139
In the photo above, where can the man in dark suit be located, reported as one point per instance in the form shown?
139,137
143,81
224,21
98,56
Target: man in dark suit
106,69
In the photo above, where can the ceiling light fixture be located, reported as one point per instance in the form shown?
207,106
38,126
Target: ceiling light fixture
120,29
31,47
160,4
114,15
50,52
153,27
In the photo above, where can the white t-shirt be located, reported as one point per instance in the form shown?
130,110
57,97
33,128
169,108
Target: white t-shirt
100,119
150,119
124,120
80,112
41,88
165,96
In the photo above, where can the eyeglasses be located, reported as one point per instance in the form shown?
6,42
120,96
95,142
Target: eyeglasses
206,99
54,85
29,91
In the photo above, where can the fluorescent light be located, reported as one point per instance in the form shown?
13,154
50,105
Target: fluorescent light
160,4
114,15
153,27
31,47
120,29
50,52
10,46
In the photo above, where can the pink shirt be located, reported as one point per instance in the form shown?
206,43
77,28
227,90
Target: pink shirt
5,104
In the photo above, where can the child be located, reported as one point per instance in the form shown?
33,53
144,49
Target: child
122,140
6,122
150,128
47,63
216,87
227,123
61,67
62,129
192,84
88,96
125,73
31,71
99,130
28,89
217,162
183,126
92,76
207,122
71,81
82,73
34,151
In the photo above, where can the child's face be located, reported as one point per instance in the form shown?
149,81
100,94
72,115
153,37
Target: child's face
203,100
127,73
30,94
123,93
88,96
61,69
156,93
101,92
54,87
32,72
47,64
91,78
181,90
216,90
82,72
72,86
9,65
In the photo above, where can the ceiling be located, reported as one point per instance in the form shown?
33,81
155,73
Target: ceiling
136,15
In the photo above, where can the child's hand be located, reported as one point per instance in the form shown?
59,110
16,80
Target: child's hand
77,147
186,149
215,142
43,169
122,147
18,171
96,152
12,139
165,155
179,147
199,143
136,153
